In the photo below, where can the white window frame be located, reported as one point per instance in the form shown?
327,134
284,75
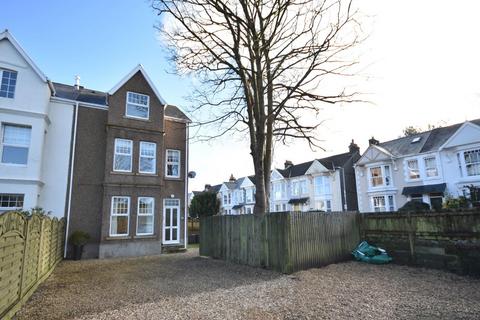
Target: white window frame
138,105
473,163
140,156
165,207
322,186
3,144
430,168
16,201
112,214
167,163
386,201
123,154
407,166
383,176
2,70
152,214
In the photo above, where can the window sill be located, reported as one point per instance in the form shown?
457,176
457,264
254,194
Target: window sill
173,178
123,173
14,165
146,236
118,238
138,119
143,174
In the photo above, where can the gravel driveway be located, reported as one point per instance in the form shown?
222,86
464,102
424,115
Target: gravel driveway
185,286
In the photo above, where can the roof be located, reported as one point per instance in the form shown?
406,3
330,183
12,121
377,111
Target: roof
175,112
338,160
138,68
330,163
298,200
430,188
82,94
215,188
7,35
428,141
238,206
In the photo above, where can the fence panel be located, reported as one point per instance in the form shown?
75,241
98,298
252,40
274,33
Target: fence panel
26,256
284,241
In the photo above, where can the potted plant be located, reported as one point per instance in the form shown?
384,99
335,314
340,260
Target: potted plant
78,239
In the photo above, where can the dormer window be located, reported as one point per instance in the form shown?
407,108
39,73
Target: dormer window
138,106
9,81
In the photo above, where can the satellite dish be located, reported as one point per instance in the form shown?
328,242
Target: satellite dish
192,174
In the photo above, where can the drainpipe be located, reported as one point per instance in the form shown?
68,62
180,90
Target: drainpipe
186,188
70,187
344,190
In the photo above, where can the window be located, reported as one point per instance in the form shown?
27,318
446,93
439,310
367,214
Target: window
122,160
459,165
229,198
329,205
148,151
472,162
173,163
249,195
277,208
391,205
11,201
225,199
299,187
145,215
137,105
376,176
322,185
120,215
413,171
379,204
431,167
249,210
9,81
15,144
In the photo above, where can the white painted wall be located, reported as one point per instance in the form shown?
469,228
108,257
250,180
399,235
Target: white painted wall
56,155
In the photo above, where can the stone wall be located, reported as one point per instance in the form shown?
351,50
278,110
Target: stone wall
447,240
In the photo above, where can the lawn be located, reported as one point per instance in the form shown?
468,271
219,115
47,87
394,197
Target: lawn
186,286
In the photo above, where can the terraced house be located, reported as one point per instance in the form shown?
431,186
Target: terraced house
426,167
113,163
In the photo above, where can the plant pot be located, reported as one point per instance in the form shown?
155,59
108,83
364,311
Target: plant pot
77,252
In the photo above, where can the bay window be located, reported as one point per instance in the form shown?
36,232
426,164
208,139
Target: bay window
380,176
472,162
413,170
383,203
322,185
431,167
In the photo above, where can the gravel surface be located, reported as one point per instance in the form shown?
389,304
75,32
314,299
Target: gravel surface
185,286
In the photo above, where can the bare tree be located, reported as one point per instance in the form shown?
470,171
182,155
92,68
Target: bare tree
263,66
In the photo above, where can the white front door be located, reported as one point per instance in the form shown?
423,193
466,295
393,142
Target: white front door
171,221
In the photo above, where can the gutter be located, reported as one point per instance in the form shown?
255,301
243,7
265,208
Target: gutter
70,184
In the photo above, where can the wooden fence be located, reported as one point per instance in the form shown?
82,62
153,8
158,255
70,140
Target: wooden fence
285,242
30,248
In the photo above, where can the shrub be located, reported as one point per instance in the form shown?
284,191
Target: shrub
204,204
415,206
456,203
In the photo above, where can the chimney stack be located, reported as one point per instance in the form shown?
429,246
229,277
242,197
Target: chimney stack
207,187
232,178
288,164
373,141
77,82
353,147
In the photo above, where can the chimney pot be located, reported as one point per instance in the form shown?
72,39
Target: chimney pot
288,164
373,141
232,178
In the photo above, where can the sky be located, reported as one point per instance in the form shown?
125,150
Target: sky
420,67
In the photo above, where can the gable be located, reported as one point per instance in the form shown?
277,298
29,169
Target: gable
275,175
246,183
468,133
223,188
138,69
372,154
316,167
14,55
